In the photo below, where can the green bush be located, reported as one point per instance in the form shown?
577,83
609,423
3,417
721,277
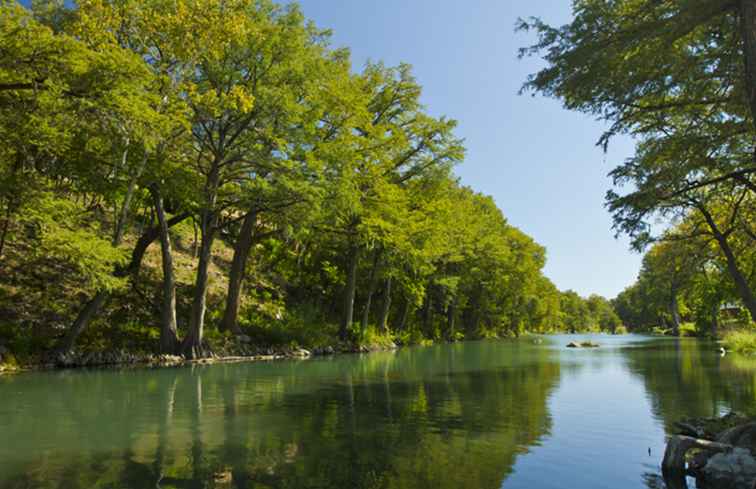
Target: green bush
688,329
743,341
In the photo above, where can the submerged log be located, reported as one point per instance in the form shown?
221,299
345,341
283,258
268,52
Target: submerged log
678,446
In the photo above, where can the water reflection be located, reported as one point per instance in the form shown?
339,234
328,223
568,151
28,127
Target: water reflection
477,415
688,378
448,416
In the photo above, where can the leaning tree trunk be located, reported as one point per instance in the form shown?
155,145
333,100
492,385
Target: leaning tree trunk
383,321
242,248
93,306
168,327
87,313
349,291
144,242
741,284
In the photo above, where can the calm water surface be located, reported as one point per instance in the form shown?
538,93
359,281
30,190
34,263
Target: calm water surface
473,415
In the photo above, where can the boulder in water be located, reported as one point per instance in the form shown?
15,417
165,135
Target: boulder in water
582,344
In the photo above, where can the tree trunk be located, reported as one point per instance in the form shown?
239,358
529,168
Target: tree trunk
741,284
144,242
371,290
674,311
242,248
195,243
349,291
471,322
451,312
93,306
748,33
168,326
427,312
383,321
405,314
90,309
192,346
4,231
120,228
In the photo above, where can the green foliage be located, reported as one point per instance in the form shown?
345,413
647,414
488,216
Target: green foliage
620,330
671,75
741,341
315,195
63,232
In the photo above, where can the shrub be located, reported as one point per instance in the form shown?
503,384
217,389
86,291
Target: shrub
742,341
620,330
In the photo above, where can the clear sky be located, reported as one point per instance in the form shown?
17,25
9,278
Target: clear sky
536,159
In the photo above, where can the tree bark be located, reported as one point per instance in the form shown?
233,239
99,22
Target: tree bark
5,227
90,309
144,242
120,228
451,312
741,284
404,315
192,346
427,311
371,290
349,290
93,306
168,326
242,248
386,309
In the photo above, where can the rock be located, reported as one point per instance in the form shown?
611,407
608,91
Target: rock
743,436
582,344
300,353
242,338
223,478
735,470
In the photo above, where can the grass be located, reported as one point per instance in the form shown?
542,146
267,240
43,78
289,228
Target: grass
740,341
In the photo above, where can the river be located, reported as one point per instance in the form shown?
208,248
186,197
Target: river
514,414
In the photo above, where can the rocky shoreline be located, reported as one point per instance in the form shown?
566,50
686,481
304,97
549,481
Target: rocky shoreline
236,352
720,453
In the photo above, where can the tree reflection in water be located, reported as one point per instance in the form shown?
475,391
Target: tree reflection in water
450,416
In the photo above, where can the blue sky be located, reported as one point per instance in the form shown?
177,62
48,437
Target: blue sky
536,159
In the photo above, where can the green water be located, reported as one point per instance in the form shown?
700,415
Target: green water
473,415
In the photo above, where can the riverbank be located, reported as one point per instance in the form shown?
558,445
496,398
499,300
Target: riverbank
239,353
